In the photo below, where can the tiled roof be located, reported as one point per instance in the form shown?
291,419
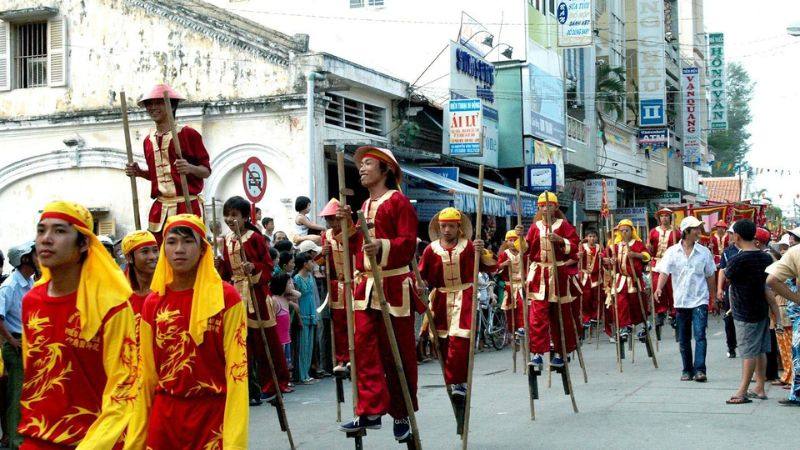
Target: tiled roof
723,189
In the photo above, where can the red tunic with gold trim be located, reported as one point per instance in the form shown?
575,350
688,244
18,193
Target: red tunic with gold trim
394,226
336,298
193,396
544,288
448,273
630,276
257,253
75,391
512,276
659,240
718,245
165,181
589,265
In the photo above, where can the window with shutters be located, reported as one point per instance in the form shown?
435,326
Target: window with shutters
354,115
30,55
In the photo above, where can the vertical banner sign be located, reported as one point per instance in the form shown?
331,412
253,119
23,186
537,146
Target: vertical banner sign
718,104
651,64
465,127
574,23
690,83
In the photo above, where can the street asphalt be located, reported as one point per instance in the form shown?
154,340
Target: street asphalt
642,407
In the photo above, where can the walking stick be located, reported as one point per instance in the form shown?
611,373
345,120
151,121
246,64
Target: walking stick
532,395
333,341
612,292
435,341
511,281
178,152
348,279
474,312
653,306
214,224
554,274
377,278
137,220
648,343
282,418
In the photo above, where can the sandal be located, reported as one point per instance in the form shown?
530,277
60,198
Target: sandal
738,401
751,394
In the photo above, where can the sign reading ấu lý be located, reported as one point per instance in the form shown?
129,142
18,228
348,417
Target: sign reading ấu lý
465,127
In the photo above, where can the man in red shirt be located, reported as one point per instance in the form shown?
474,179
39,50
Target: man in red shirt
78,339
164,168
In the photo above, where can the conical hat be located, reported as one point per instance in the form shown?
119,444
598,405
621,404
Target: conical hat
381,154
157,93
433,226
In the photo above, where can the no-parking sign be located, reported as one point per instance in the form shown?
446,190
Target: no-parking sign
254,178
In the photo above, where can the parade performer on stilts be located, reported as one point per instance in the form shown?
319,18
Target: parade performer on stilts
446,267
393,228
193,350
164,168
590,254
258,268
333,249
508,262
719,240
78,339
659,240
560,240
628,255
141,254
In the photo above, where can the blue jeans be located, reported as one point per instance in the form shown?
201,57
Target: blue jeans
692,320
793,312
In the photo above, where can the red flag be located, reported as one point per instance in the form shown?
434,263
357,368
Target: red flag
604,211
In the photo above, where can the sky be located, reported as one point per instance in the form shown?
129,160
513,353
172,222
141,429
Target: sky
756,37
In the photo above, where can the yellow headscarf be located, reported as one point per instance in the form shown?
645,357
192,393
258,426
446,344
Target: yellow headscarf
137,239
625,223
102,285
207,298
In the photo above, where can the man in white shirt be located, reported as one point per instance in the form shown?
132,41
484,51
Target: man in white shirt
691,266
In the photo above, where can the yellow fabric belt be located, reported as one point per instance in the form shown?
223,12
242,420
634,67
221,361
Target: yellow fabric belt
453,289
169,201
388,273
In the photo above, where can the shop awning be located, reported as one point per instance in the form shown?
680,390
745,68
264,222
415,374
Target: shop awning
465,197
509,194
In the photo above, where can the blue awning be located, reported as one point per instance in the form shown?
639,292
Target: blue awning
465,198
509,194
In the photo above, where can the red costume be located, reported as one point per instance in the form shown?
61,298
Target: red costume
165,181
448,272
336,298
659,240
626,285
545,289
512,276
590,280
718,245
394,227
257,253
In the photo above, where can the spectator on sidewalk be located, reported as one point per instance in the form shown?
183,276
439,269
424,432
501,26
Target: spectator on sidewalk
751,306
23,259
780,273
690,267
723,295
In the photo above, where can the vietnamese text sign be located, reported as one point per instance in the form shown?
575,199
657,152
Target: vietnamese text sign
540,177
718,104
636,215
665,198
465,127
450,172
690,84
653,139
574,23
593,190
651,63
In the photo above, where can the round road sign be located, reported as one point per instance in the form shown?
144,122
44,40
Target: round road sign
254,178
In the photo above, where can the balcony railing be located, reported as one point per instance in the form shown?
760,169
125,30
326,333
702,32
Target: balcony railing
576,130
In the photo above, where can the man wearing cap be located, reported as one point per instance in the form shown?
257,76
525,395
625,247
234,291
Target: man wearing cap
629,255
660,239
333,249
252,277
23,259
723,294
164,168
141,253
393,230
508,263
193,351
719,240
590,254
691,269
79,343
551,236
446,266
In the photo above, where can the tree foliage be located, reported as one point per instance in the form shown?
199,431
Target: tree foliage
731,146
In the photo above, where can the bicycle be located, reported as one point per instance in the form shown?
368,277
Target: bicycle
491,321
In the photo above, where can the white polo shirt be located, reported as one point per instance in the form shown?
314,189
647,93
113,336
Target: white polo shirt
689,285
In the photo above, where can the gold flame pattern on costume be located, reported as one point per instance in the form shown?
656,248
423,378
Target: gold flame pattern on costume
129,358
238,371
38,426
174,340
48,372
215,443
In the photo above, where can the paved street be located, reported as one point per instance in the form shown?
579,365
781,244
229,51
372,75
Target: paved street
640,408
